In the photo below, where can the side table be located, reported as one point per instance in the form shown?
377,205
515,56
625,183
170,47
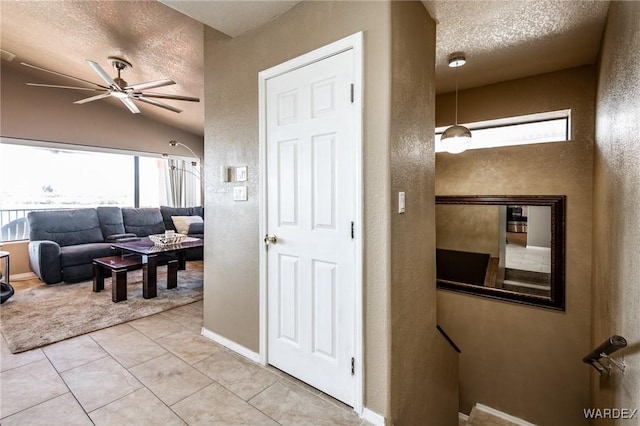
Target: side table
117,266
6,288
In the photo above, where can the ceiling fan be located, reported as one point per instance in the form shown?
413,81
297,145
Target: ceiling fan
118,88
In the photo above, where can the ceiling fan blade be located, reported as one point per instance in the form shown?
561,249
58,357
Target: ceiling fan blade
93,98
55,86
138,95
102,73
62,75
129,104
159,104
150,85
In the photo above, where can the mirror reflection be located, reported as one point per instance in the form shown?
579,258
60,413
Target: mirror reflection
503,247
506,247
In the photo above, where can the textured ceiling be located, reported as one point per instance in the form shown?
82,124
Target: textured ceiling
158,41
502,39
232,17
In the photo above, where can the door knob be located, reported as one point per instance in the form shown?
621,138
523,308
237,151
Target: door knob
270,239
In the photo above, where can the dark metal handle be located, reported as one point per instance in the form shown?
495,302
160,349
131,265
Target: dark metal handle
607,347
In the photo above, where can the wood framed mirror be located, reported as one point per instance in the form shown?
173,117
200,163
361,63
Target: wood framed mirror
506,247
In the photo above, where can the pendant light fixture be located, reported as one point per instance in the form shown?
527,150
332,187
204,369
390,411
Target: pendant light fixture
456,139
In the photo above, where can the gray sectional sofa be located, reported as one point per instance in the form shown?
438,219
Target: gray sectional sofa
63,243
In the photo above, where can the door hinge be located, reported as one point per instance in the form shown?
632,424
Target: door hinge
353,92
352,231
353,366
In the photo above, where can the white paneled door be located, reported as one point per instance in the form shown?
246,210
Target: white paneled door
311,183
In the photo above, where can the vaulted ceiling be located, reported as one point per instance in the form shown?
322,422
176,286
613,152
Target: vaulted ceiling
158,41
502,40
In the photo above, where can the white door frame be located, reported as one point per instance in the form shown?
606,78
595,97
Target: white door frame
355,43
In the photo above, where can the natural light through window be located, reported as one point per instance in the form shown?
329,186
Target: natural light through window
37,175
59,178
521,130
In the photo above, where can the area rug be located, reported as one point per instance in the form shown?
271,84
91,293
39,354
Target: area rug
45,314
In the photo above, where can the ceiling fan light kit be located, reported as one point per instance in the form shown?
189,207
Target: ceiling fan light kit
456,139
119,88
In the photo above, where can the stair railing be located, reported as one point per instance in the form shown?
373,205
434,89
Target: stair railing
446,336
607,347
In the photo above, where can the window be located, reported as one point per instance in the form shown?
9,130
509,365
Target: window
40,175
59,178
150,183
522,130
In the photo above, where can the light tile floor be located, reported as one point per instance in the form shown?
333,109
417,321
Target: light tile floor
536,259
156,370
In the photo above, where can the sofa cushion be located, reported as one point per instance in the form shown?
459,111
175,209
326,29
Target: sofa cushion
111,221
196,229
121,237
83,253
197,211
78,273
65,227
143,222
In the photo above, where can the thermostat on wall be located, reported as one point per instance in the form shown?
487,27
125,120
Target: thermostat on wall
241,174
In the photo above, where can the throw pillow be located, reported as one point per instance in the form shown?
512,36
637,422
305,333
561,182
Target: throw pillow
182,223
196,228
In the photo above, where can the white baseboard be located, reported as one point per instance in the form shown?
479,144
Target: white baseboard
373,417
463,417
229,344
502,415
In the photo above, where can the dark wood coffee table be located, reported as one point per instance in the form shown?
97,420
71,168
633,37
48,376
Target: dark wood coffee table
152,255
118,266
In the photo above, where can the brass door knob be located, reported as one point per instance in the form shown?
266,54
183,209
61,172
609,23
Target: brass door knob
270,239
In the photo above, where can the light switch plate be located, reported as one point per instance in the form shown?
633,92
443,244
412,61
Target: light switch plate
240,193
400,202
241,174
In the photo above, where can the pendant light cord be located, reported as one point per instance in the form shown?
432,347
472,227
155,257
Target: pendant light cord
456,72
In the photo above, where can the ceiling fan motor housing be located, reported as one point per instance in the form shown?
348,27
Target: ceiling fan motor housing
119,63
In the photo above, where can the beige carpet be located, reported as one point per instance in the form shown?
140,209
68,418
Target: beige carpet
45,314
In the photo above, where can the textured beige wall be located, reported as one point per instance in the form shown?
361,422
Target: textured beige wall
523,360
616,207
468,228
420,357
231,138
18,256
50,115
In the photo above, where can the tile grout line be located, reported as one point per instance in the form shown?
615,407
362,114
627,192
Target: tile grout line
168,351
66,385
281,377
259,393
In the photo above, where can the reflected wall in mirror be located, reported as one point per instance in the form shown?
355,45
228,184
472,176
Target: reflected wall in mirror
504,247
